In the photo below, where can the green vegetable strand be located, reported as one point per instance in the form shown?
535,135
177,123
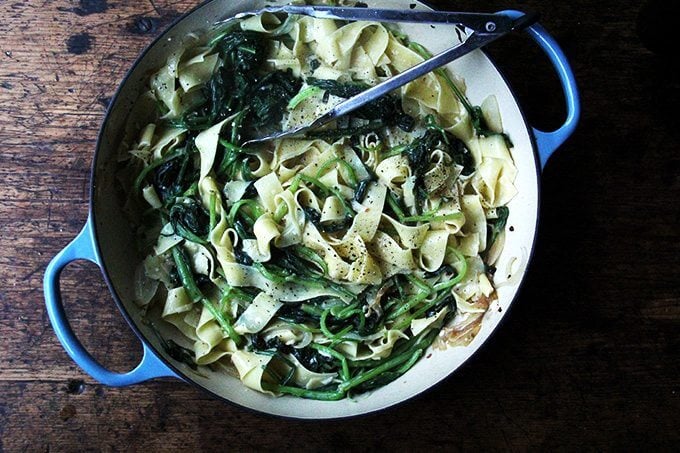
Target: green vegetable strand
421,311
408,305
412,361
302,95
222,320
280,276
498,225
351,174
432,217
370,374
304,393
394,205
403,361
152,166
196,295
312,256
254,206
213,210
236,125
185,275
331,190
418,282
332,352
460,273
280,213
394,151
327,332
475,112
423,52
432,124
191,191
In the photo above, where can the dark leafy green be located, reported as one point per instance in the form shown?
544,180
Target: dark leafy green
418,152
447,301
242,257
370,324
461,155
241,83
298,313
314,216
310,358
218,101
386,108
482,128
251,192
288,260
496,226
180,353
360,191
270,96
244,50
173,177
244,231
190,220
343,90
174,350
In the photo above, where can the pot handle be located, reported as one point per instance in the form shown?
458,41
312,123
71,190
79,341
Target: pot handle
83,247
548,142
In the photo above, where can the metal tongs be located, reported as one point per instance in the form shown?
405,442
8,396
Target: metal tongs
480,29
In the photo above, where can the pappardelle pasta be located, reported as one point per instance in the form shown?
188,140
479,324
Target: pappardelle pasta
321,267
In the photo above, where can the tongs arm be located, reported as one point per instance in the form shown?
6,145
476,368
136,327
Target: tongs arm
495,26
477,22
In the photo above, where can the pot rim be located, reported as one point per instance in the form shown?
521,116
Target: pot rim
181,374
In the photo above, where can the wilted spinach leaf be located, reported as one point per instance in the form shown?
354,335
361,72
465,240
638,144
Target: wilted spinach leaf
496,226
173,177
386,108
270,96
190,220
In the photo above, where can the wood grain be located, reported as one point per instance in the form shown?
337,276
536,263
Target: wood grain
587,359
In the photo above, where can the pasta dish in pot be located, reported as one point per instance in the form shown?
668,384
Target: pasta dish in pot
320,267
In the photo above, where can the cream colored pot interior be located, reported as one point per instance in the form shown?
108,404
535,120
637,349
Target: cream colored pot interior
118,252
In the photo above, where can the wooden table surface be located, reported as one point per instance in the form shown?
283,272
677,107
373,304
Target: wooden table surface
587,359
